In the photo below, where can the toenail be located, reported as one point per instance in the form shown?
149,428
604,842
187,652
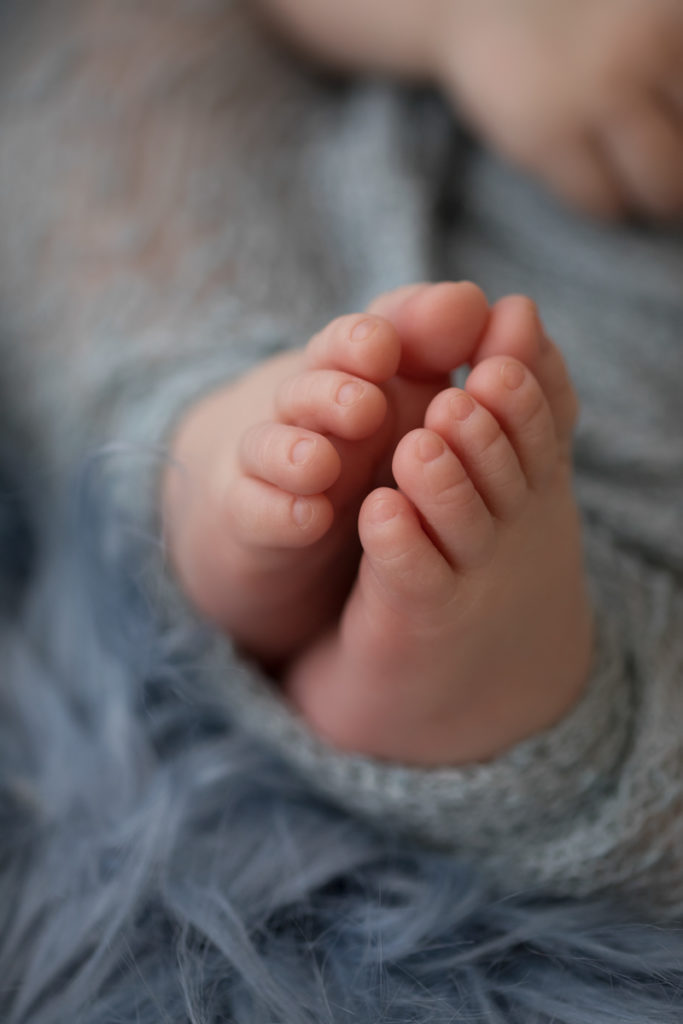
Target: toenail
349,393
363,330
461,405
382,511
513,375
429,447
302,511
301,451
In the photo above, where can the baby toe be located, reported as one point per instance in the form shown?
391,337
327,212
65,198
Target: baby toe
260,515
362,344
514,397
293,459
400,557
483,448
453,513
331,402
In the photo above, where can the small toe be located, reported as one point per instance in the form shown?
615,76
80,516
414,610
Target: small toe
261,515
514,397
483,448
401,557
361,344
331,402
452,511
293,459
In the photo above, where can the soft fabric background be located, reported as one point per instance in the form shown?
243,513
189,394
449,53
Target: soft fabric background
155,864
157,867
179,199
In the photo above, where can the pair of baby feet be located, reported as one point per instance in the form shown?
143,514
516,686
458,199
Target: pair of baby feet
438,621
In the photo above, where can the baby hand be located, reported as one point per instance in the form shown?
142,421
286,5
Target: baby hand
586,94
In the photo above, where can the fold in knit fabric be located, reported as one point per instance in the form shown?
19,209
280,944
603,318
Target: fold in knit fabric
158,865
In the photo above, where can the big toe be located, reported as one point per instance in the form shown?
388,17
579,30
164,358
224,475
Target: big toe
440,325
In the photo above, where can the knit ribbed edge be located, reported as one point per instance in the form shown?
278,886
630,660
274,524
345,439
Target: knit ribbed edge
543,780
546,791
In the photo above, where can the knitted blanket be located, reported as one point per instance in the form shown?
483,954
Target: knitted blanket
155,865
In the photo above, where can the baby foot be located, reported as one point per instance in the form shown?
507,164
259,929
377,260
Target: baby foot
468,627
262,520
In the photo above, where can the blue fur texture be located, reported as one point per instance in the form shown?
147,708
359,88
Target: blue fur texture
156,867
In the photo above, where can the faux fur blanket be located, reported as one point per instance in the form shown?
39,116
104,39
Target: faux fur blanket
156,867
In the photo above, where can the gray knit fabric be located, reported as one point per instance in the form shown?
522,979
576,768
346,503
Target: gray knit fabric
179,200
